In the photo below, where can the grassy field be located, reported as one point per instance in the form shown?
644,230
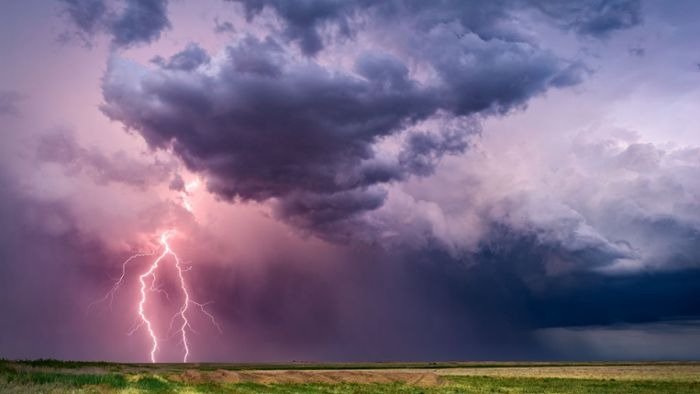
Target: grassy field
51,376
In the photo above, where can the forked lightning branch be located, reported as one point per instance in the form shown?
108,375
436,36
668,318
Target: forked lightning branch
149,284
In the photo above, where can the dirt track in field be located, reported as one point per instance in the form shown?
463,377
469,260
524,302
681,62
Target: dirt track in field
413,377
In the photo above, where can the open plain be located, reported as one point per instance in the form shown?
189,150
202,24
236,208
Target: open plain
51,376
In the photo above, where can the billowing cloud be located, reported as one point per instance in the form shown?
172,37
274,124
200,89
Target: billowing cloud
612,205
310,23
188,59
597,18
87,15
263,123
128,22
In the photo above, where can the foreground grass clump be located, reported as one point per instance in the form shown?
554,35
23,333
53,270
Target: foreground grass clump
39,379
33,378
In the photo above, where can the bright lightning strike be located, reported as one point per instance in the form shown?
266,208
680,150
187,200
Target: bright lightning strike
148,280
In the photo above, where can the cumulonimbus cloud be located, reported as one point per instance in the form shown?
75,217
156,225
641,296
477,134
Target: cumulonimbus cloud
305,22
263,123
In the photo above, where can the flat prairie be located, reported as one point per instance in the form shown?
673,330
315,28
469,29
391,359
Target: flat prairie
52,376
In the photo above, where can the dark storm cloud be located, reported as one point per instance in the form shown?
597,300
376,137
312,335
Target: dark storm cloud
597,18
307,22
620,248
223,27
262,123
524,267
327,213
87,15
61,148
141,21
592,299
366,305
369,303
304,18
9,102
667,340
362,304
423,150
517,273
265,127
188,59
133,22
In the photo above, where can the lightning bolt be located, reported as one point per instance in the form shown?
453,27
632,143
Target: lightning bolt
148,280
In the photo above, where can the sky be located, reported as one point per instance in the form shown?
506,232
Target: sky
350,180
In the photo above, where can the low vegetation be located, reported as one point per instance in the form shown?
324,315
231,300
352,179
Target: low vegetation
52,376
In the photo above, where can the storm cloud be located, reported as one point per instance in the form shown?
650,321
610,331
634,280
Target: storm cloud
263,123
597,18
403,180
311,24
128,23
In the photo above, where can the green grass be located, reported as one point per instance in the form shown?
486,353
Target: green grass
478,384
474,385
58,376
25,378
